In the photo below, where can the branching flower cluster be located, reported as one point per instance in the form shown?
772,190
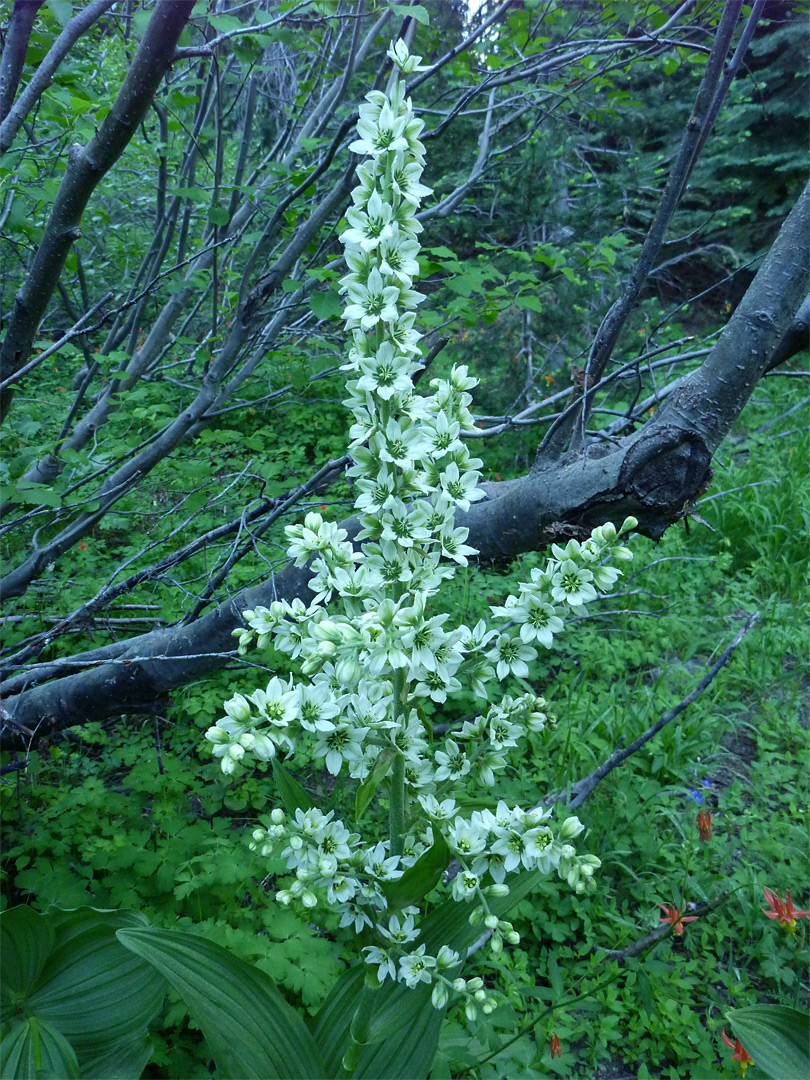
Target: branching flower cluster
369,646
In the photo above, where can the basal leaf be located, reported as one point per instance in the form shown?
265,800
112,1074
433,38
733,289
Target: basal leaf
26,940
35,1048
250,1029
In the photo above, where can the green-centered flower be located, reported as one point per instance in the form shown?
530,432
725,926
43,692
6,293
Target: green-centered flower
370,226
572,584
371,303
510,655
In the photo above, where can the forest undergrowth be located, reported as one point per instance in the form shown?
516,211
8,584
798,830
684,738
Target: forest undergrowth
133,815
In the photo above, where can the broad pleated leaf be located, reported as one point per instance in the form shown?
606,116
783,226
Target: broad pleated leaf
405,1025
34,1048
91,988
26,940
776,1037
88,989
330,1027
404,1029
409,1054
250,1029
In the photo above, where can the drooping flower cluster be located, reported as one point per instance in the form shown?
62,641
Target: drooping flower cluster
377,650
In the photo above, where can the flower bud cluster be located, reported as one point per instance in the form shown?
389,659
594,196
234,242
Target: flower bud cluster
569,582
330,864
368,659
418,966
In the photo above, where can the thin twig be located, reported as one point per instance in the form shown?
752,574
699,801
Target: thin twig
583,788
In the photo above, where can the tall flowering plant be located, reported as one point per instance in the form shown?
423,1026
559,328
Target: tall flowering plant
368,646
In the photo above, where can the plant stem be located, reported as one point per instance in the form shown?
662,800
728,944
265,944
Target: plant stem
361,1024
396,808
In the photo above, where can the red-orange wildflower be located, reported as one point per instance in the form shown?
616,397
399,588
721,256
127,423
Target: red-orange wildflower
673,915
740,1055
554,1043
704,822
783,910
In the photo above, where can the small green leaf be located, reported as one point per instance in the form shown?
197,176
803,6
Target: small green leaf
293,795
62,10
776,1037
325,304
38,494
528,301
419,879
218,215
555,975
379,770
416,11
645,990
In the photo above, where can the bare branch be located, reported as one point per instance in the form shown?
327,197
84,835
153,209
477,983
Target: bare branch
86,166
576,795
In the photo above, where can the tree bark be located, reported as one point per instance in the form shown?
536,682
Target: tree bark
13,59
13,117
86,167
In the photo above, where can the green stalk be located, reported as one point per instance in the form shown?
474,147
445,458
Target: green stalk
396,809
361,1024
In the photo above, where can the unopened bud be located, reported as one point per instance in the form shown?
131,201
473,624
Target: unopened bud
571,828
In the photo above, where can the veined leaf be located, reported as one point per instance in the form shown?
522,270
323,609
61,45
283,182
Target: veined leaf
293,795
416,11
776,1037
419,879
404,1029
379,770
34,1047
250,1029
78,989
